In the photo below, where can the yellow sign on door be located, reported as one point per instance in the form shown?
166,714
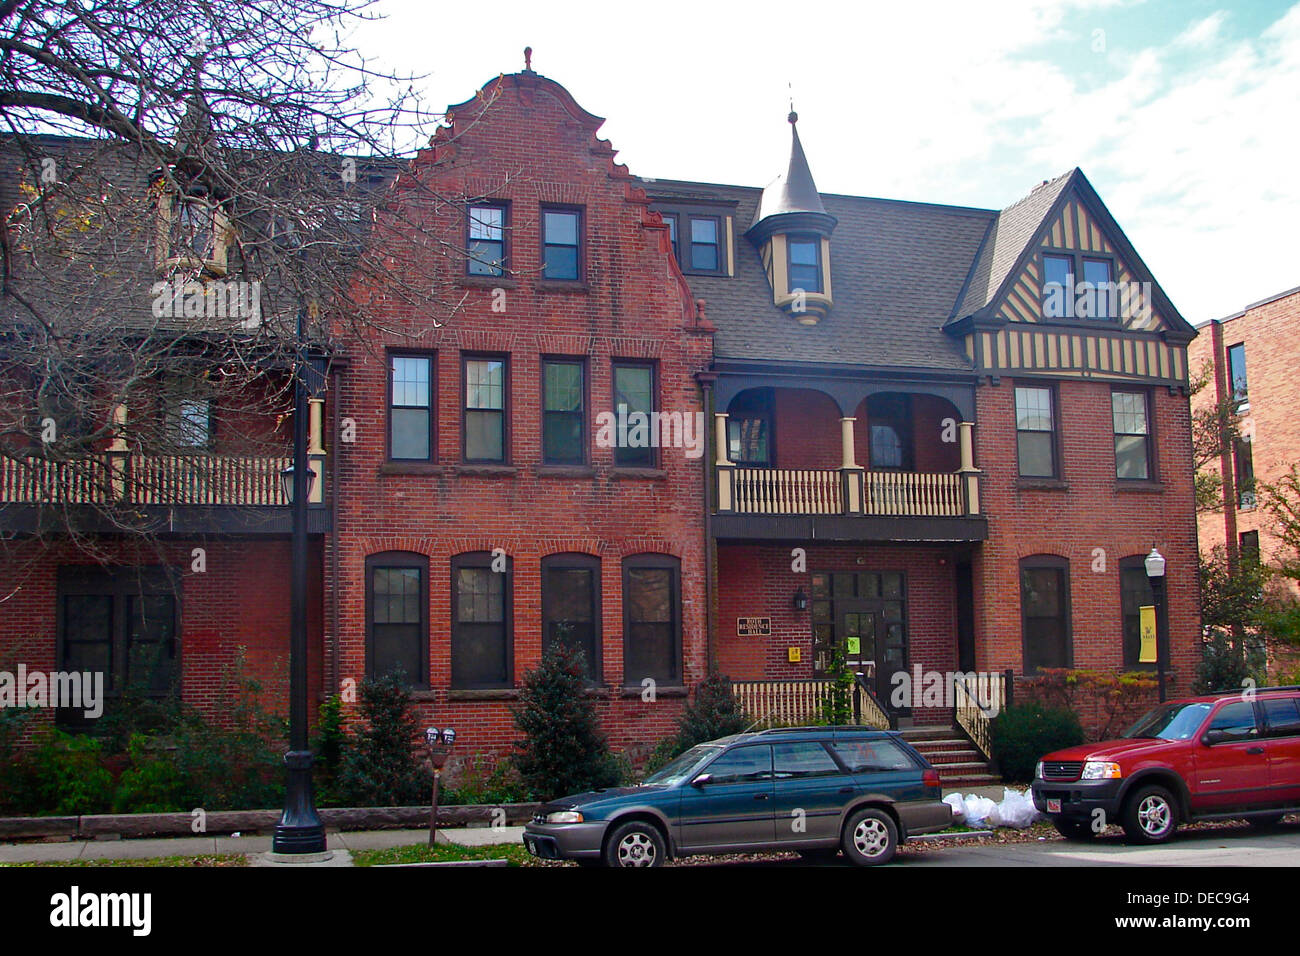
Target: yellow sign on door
1147,628
854,645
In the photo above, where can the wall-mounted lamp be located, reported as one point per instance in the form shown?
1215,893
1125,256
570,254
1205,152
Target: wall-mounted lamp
800,600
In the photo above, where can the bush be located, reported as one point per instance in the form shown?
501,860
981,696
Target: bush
69,776
563,750
486,784
16,775
378,767
712,714
1023,733
331,738
1222,666
837,705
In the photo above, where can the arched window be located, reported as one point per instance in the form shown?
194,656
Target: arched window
571,606
397,616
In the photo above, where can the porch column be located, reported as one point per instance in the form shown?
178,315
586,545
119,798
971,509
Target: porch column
722,465
970,475
852,475
118,453
316,448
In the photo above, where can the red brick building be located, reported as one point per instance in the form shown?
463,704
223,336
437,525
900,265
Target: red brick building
908,431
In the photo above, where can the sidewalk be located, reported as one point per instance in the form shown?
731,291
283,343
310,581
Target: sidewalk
214,845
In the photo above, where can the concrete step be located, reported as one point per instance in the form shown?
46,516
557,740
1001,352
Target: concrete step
948,757
969,780
930,732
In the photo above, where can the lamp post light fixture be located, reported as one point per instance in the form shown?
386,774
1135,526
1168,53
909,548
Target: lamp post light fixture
440,743
287,484
1155,568
800,600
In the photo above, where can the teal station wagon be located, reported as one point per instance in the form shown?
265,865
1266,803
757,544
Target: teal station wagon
814,790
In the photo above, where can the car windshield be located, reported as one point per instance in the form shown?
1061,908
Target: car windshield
1169,722
680,768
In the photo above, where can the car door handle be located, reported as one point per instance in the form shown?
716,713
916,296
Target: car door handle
1254,750
760,796
846,789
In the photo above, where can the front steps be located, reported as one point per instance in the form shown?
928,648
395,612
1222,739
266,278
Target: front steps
959,763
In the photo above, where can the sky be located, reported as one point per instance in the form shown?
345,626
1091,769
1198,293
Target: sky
1184,114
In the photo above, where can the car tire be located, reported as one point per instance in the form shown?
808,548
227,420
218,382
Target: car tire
1265,822
1150,816
635,844
870,838
1078,831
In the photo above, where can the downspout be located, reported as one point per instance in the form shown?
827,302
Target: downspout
706,380
335,431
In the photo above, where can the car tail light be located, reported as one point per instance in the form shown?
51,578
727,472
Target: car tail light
930,778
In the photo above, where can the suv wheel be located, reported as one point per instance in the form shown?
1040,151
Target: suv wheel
870,837
1077,830
1150,816
635,844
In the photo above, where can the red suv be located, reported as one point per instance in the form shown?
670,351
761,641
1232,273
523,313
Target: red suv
1200,758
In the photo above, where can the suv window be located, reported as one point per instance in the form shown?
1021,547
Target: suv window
742,765
1237,719
861,756
1283,716
804,760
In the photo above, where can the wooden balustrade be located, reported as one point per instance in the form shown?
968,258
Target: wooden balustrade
820,492
791,702
785,491
914,493
144,480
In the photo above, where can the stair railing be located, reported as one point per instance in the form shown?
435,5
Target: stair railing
975,717
867,707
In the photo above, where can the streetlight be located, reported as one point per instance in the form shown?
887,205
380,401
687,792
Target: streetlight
300,830
1155,566
440,743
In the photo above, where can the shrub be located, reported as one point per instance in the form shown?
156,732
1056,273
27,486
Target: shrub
837,705
155,782
1222,666
1023,733
483,782
1108,702
69,777
16,776
563,750
378,765
712,714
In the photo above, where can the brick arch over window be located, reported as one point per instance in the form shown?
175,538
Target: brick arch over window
397,616
1045,624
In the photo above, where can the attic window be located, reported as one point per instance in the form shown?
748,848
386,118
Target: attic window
705,244
805,268
191,231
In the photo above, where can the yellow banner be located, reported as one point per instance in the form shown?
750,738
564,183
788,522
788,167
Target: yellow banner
1147,627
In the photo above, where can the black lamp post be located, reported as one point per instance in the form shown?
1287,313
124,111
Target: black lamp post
300,830
1155,566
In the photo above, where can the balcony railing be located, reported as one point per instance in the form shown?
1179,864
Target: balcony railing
146,480
778,491
801,701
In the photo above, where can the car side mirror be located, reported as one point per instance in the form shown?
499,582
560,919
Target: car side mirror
701,780
1213,737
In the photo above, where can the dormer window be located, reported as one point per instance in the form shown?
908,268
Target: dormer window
191,232
805,268
1079,287
705,244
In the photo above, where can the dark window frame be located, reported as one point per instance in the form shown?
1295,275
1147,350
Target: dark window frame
1243,474
1058,470
1076,257
653,450
815,242
760,408
1240,397
1290,729
1153,473
399,560
581,233
674,223
1133,651
483,559
899,415
683,213
1040,562
673,565
688,243
584,442
577,561
431,408
504,359
1248,545
504,207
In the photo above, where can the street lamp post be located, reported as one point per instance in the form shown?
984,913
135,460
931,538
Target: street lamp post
1155,567
300,830
440,743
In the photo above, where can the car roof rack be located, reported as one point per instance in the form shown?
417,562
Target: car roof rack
856,728
1254,690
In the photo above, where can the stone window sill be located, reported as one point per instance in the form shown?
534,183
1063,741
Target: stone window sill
637,690
561,285
411,468
1042,484
564,471
491,693
1149,487
487,282
488,470
651,473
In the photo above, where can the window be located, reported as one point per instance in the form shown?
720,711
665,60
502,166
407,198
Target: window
397,616
487,240
1100,298
1045,612
1058,286
890,420
1248,546
1237,375
671,220
1283,716
1236,719
481,647
123,623
805,268
1079,287
1135,593
410,416
634,389
571,606
872,755
1243,458
742,765
651,619
485,410
191,229
563,412
795,761
705,246
749,428
1132,435
1035,433
187,416
561,244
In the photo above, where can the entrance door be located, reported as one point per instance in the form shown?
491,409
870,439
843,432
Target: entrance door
870,646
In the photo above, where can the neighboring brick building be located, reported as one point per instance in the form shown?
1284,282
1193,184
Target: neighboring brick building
1251,358
914,451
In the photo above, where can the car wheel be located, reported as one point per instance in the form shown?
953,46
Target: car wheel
870,838
1265,822
1150,816
635,844
1076,830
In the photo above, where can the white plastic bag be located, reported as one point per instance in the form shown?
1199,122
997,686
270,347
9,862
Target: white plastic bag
980,811
958,807
1017,809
